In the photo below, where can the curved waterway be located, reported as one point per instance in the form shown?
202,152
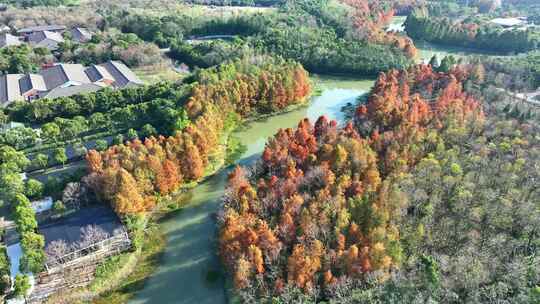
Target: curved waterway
190,270
427,50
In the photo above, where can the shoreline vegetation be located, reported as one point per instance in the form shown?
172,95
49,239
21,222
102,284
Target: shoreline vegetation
317,223
154,245
353,207
107,287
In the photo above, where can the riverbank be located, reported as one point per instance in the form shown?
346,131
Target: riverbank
426,50
185,267
119,277
190,271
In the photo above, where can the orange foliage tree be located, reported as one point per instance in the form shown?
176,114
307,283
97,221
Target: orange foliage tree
325,197
130,175
370,18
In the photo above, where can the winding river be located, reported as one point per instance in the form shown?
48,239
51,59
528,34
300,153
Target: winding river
190,270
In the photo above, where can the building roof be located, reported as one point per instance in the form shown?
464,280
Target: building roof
42,205
37,37
81,34
72,90
32,82
11,125
9,88
41,28
123,75
507,22
61,74
63,80
7,39
69,228
98,73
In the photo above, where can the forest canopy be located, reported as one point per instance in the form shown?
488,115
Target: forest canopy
396,205
130,175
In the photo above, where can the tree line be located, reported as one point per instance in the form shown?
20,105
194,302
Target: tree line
315,34
479,35
130,175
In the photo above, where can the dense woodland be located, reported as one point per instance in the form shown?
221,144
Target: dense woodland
328,212
428,195
521,72
131,174
324,36
481,35
32,3
239,2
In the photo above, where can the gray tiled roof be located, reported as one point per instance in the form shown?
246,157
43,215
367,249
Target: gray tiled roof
68,228
32,82
60,74
81,34
38,37
9,88
122,74
65,80
41,28
72,90
7,39
98,73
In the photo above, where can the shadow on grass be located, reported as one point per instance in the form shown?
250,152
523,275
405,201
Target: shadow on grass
151,257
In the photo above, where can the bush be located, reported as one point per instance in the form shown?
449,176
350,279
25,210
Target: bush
4,270
25,216
34,189
59,156
132,134
22,285
135,225
118,139
33,246
40,161
148,130
101,145
58,207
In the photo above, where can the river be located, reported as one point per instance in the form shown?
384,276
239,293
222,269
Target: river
426,50
190,270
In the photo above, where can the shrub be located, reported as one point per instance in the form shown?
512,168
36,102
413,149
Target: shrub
34,189
22,285
101,145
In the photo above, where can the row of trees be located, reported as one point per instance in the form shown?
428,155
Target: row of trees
13,193
130,175
23,59
32,3
32,243
5,271
321,209
489,37
45,110
239,2
314,33
517,73
110,45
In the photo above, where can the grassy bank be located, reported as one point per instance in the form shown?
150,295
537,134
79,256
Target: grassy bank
118,277
146,263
